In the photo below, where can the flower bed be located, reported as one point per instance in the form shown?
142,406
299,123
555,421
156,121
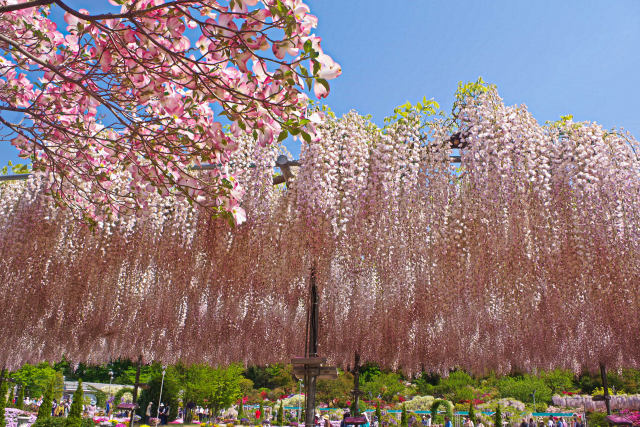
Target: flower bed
11,416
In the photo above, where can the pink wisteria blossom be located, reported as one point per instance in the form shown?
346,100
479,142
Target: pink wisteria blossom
525,255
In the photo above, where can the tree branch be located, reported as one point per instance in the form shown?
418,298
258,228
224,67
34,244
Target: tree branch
27,5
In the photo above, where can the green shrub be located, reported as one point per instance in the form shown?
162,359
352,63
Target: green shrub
3,393
497,418
472,413
87,422
558,380
20,399
522,389
280,415
404,418
44,411
458,386
101,398
50,422
75,412
597,419
10,399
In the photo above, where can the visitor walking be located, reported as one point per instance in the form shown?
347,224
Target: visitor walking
165,414
147,413
447,422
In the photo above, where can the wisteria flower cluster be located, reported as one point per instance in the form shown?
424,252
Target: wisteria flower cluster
524,255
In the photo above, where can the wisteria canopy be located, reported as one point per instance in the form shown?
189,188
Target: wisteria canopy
525,255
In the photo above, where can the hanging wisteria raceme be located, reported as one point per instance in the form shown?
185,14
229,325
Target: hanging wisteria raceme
525,255
119,106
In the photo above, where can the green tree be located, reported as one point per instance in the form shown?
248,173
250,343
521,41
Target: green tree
217,388
378,413
458,386
558,380
261,409
271,376
631,380
224,387
36,378
426,384
20,398
338,389
368,371
75,412
124,371
3,394
44,412
10,399
281,415
497,417
170,390
385,385
101,397
523,388
241,409
472,413
404,418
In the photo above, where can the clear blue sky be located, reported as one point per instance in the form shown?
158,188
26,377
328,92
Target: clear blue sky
558,57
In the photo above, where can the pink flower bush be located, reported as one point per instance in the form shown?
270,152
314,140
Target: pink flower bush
119,107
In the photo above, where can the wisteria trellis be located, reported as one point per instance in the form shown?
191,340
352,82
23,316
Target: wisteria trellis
527,257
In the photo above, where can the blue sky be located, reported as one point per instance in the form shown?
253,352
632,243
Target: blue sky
577,57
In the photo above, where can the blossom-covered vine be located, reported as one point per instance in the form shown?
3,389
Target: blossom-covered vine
524,255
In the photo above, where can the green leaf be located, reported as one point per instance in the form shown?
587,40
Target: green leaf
283,135
324,83
308,46
306,137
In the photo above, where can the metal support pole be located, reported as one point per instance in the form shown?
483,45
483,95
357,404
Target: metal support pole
312,351
135,389
160,397
110,394
607,397
356,386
